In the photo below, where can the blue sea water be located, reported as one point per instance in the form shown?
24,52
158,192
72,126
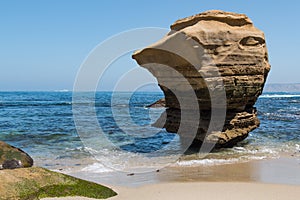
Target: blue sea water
42,124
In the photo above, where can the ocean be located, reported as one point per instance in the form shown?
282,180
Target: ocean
42,124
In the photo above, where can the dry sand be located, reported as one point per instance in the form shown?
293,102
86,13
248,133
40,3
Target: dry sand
205,190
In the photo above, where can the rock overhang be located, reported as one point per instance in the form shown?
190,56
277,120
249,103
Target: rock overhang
211,50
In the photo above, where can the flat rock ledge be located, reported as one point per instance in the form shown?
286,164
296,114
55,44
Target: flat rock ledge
213,51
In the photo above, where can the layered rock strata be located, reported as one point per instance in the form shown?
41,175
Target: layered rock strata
210,65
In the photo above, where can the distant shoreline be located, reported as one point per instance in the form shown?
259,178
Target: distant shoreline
271,87
282,87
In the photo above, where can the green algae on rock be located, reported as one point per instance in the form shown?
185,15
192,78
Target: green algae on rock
36,183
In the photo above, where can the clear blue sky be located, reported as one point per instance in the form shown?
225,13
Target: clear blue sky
43,43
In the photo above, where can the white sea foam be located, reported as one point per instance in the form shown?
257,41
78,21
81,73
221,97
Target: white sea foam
239,149
96,168
279,95
206,162
212,162
63,90
261,151
297,146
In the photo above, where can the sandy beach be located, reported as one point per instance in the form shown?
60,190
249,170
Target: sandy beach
264,179
205,190
283,170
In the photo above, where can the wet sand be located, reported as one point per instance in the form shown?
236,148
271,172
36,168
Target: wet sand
264,179
284,170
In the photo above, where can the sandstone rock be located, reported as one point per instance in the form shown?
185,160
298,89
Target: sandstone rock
158,104
12,157
224,60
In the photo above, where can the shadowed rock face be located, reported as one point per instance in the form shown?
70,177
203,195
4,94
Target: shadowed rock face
12,157
224,60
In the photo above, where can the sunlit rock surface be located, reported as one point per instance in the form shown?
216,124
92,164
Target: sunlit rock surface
211,62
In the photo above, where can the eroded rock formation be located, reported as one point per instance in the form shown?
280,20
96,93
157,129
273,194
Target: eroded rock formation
222,56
